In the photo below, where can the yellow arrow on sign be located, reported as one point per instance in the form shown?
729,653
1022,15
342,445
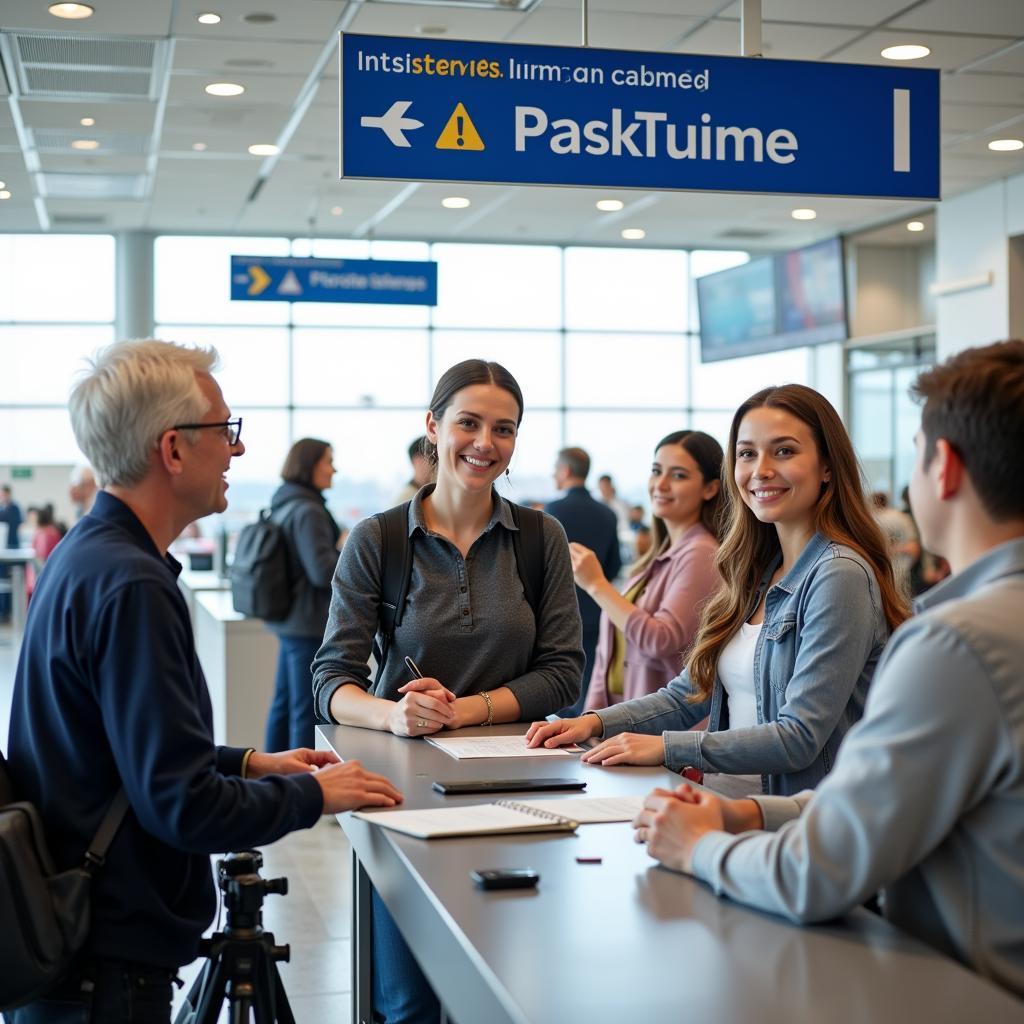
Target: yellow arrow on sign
260,280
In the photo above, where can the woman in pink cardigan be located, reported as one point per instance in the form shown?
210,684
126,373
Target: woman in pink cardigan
646,628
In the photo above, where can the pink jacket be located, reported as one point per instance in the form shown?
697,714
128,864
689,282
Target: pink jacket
664,621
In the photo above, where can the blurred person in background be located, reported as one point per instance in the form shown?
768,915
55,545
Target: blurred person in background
592,524
311,536
901,534
46,535
82,491
10,516
422,470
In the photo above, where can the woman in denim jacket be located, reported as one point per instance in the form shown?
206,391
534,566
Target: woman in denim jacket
788,645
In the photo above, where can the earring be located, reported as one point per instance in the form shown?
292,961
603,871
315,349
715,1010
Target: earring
508,472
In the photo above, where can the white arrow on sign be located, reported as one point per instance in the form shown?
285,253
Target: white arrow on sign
393,123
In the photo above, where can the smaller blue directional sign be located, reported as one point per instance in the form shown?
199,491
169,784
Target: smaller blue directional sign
309,279
442,110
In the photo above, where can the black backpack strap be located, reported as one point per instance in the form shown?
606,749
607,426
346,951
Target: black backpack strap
396,572
528,543
97,852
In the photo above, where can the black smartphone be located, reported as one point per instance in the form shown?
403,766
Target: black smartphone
454,787
505,878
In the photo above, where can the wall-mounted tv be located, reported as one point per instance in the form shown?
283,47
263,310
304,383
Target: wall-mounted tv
774,302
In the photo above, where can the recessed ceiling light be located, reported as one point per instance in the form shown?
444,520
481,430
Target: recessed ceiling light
431,30
804,214
87,122
609,205
259,18
915,225
910,51
3,184
4,194
1006,145
225,89
209,19
264,149
85,144
633,234
455,203
336,211
199,146
72,11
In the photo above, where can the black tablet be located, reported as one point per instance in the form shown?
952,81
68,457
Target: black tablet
505,785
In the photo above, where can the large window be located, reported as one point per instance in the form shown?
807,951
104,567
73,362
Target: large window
56,307
601,340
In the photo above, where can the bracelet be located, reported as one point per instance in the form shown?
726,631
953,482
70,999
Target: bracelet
490,707
245,761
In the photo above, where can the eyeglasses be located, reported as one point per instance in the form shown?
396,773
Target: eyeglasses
232,429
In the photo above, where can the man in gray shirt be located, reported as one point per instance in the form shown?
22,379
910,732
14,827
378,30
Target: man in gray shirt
926,801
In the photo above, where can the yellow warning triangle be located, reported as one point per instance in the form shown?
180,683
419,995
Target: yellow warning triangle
459,132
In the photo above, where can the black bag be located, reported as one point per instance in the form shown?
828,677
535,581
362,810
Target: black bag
261,579
44,916
396,568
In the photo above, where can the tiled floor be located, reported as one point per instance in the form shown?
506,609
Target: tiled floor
313,918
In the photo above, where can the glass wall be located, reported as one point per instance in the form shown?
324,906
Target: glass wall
603,342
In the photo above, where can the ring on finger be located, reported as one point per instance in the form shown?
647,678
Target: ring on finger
421,723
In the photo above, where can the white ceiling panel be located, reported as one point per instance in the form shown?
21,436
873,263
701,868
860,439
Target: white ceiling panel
947,52
1010,61
863,13
781,41
968,117
298,20
976,87
1001,17
458,23
242,56
278,90
145,18
685,8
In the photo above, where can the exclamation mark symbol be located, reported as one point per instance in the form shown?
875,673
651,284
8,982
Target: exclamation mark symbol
459,123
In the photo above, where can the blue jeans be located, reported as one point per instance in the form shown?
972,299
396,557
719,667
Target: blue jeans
292,718
401,992
121,993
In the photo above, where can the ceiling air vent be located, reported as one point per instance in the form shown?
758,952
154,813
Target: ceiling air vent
745,234
78,220
62,185
76,67
479,5
58,140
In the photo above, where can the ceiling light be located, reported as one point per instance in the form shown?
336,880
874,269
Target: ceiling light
804,214
633,234
915,225
87,122
209,19
85,144
199,146
336,211
72,11
609,205
225,89
3,184
431,30
4,194
264,149
1006,145
455,203
910,51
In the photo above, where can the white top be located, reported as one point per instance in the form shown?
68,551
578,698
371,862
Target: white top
736,671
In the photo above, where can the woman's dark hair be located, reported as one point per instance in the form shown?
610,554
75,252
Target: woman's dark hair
465,375
707,453
302,459
44,515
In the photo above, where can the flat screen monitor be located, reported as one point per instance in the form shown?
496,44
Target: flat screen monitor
783,301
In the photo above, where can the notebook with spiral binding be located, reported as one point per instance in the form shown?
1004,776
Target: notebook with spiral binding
502,816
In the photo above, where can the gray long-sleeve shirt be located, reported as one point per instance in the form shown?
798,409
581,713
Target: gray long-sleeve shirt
466,622
926,800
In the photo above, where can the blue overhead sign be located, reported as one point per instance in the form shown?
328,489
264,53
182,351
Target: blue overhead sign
431,110
298,279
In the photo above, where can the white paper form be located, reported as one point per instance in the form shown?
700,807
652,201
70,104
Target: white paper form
590,810
496,746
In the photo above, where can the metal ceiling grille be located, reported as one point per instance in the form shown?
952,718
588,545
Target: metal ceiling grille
480,5
73,67
61,185
58,140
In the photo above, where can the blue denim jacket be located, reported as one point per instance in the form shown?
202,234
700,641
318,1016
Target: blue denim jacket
824,629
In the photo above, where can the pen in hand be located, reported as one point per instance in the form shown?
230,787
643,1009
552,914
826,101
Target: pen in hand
417,674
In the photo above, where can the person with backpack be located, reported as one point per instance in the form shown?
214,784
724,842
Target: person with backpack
310,537
489,616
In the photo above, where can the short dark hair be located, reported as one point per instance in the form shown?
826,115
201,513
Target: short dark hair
6,488
576,460
417,447
301,459
606,477
975,401
465,375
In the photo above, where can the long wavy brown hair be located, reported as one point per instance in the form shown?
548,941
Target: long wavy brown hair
750,546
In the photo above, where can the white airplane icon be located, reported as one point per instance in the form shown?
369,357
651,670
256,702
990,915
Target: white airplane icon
393,123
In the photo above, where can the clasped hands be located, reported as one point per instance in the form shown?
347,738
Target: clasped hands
428,706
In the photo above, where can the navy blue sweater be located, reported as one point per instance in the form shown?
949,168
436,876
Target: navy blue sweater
109,691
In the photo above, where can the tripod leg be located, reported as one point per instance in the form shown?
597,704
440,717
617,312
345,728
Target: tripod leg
208,1010
282,1008
241,1005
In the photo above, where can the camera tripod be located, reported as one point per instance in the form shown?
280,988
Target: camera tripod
243,958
